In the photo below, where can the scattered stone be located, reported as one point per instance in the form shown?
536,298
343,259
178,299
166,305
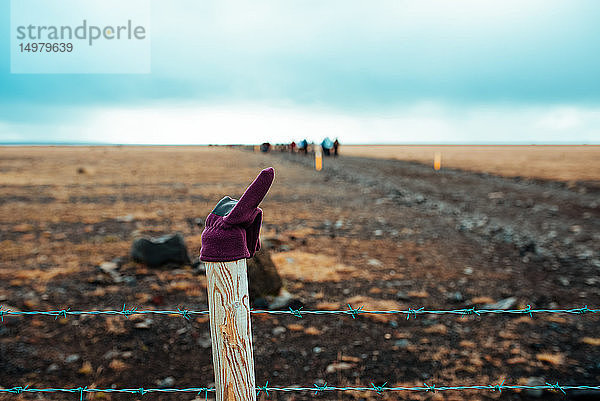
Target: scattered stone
535,381
378,233
374,263
402,296
504,304
284,300
575,229
72,358
166,382
52,368
278,330
128,218
564,281
403,343
337,366
455,297
156,252
110,268
468,271
205,341
496,195
317,350
111,354
145,324
339,224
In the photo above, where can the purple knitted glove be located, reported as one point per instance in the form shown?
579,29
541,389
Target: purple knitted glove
232,228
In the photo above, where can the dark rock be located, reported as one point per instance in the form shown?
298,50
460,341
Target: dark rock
263,279
156,252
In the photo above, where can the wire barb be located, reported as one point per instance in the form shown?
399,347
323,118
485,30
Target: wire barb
353,311
378,389
556,387
127,312
320,388
497,387
583,310
265,388
296,312
472,311
82,391
62,313
2,312
414,312
184,314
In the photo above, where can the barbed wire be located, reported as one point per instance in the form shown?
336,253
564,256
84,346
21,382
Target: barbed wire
315,388
351,311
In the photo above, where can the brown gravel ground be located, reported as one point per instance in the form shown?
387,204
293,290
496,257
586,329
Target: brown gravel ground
381,233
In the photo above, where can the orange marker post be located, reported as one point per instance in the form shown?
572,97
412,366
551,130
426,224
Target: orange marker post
437,161
318,160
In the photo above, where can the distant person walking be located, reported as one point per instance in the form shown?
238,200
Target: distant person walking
326,145
336,145
265,147
293,147
303,146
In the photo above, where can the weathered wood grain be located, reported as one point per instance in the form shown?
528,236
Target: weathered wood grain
231,332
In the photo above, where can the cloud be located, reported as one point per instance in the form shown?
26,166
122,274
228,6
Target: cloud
349,55
391,71
425,122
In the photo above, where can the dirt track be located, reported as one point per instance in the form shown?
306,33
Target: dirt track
378,232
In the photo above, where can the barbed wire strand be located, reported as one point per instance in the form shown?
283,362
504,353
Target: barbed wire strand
315,388
351,311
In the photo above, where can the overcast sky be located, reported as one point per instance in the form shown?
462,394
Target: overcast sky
423,71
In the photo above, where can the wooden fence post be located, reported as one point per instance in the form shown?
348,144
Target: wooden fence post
231,331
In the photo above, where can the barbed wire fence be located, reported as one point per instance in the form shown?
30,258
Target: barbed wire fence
351,311
300,313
